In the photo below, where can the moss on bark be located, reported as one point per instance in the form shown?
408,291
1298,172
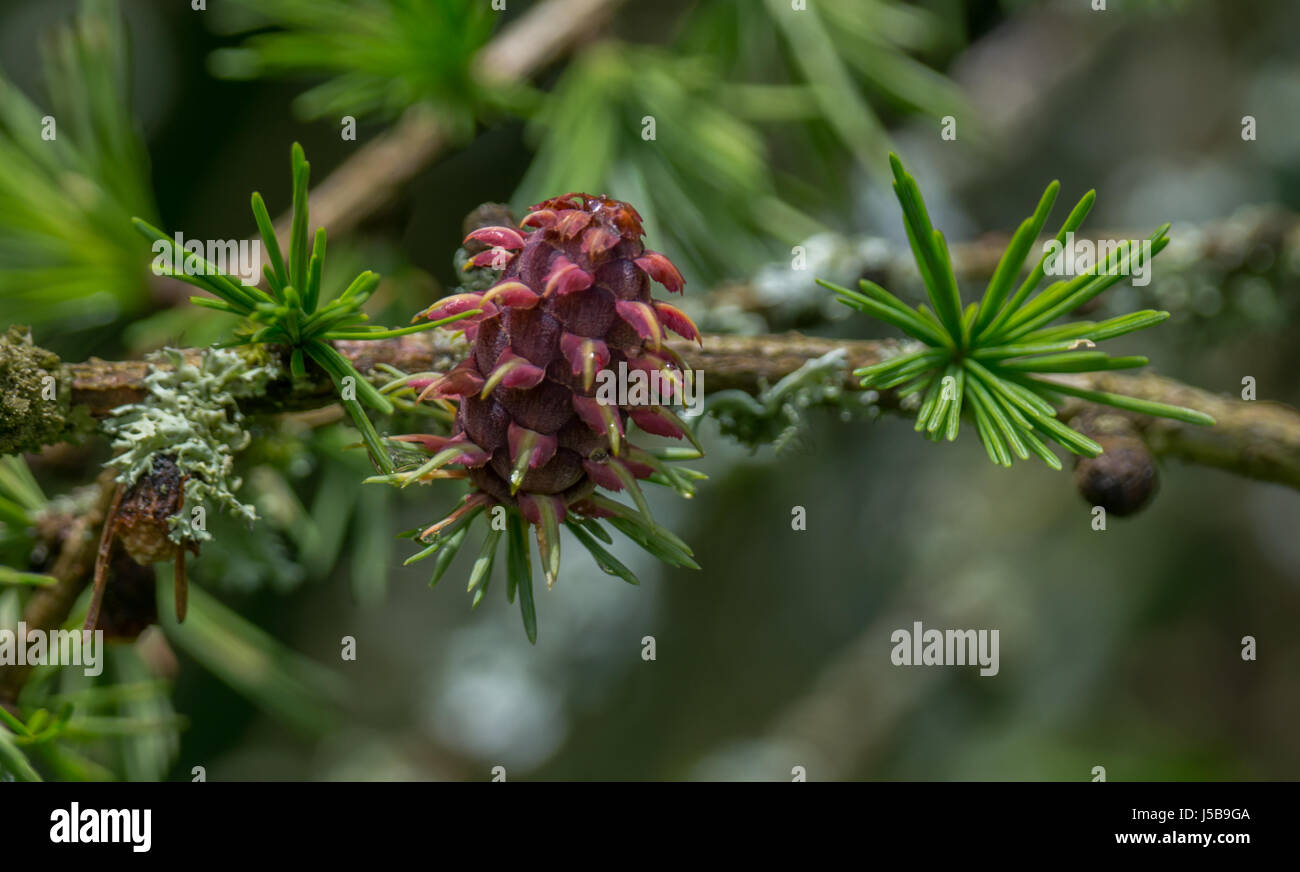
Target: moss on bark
35,396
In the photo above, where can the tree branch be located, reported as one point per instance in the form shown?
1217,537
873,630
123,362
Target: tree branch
1257,439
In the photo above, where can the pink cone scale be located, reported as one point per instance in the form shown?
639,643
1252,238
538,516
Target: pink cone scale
574,298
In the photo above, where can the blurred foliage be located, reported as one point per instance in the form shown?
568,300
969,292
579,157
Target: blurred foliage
379,56
69,187
20,499
705,97
304,482
688,134
825,65
288,686
701,183
1239,275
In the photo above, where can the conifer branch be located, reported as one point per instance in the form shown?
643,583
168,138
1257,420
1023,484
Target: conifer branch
1257,439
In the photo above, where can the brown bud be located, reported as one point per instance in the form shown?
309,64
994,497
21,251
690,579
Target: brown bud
1123,478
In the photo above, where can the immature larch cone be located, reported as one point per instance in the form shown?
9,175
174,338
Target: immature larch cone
532,430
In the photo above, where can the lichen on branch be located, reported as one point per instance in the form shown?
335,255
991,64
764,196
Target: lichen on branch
191,416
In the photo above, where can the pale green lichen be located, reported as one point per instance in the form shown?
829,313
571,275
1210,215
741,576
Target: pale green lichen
190,415
473,279
777,416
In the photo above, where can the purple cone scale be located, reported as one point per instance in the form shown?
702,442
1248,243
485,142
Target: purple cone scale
573,299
